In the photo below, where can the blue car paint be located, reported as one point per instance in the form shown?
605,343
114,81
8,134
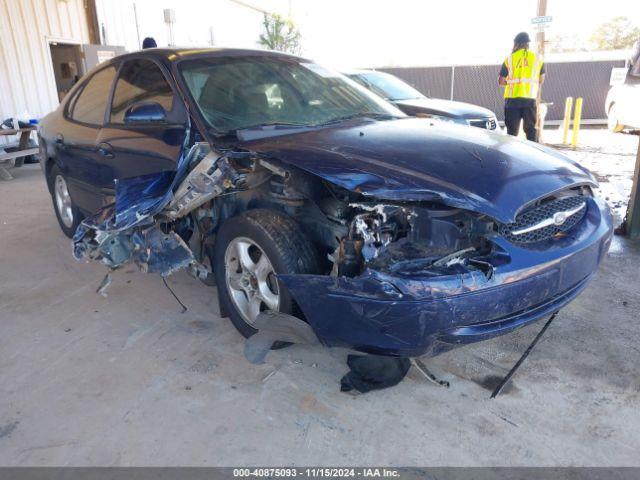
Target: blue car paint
412,316
415,159
140,197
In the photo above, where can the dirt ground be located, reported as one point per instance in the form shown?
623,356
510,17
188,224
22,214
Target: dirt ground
610,157
129,380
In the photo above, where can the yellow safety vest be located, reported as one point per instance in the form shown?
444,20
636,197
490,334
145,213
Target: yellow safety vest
524,74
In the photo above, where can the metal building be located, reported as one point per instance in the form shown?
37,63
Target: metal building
28,31
47,45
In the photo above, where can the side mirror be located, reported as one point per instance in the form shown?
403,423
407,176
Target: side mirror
149,112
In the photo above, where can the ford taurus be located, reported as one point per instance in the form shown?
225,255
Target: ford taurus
295,190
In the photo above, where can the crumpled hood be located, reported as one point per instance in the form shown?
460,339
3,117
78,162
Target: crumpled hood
447,108
415,159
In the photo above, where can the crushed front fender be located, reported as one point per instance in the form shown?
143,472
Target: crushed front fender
414,316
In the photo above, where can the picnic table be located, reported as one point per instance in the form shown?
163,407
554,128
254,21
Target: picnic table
16,158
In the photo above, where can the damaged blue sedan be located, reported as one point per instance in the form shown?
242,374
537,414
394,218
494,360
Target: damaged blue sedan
295,190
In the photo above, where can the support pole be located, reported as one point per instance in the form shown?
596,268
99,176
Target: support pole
577,114
632,225
541,12
135,17
567,120
453,80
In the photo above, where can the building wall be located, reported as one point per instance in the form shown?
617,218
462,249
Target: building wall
27,83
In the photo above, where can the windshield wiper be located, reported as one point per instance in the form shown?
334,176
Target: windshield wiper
275,125
270,129
374,115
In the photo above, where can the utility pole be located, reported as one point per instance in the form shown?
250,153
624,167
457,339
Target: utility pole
542,11
135,17
632,220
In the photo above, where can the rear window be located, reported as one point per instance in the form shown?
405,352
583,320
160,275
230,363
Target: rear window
90,105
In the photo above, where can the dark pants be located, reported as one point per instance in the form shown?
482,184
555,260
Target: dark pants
512,117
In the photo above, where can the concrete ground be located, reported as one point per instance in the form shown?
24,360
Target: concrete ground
129,380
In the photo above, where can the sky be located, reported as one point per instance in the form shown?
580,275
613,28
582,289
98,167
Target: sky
366,33
346,34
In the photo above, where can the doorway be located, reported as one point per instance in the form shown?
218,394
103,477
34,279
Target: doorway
67,66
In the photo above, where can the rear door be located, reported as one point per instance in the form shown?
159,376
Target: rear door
76,139
136,148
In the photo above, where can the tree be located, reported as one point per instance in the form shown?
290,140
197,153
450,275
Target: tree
566,43
617,33
280,34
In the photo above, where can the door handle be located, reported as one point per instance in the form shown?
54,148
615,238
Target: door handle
105,150
59,138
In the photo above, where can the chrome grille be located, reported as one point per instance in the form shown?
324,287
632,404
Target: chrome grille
545,220
488,123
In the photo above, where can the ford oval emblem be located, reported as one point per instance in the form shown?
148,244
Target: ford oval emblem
559,218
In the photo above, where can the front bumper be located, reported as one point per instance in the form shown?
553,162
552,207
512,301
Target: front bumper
408,316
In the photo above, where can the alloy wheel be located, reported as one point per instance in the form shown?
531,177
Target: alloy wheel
63,201
250,279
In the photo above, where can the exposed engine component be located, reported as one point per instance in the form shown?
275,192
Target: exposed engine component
379,226
350,257
409,239
208,179
335,209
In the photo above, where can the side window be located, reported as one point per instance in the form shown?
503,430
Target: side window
90,105
140,80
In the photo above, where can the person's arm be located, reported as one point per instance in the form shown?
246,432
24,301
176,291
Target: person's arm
542,72
504,73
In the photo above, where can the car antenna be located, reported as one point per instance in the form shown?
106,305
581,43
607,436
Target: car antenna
526,353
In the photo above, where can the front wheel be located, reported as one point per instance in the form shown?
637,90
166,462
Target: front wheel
250,251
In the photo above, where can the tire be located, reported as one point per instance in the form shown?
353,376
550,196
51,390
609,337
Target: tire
612,121
71,218
287,250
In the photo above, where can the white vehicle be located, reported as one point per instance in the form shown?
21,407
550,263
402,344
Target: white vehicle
623,101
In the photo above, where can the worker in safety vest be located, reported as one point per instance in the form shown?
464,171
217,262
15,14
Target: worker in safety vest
522,73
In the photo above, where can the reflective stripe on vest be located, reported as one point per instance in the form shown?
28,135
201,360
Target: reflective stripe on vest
524,74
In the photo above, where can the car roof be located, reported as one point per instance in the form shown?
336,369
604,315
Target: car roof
176,54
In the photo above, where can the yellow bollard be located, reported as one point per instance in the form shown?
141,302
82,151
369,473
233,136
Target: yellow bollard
567,120
576,122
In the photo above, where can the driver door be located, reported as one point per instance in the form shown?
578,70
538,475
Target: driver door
132,146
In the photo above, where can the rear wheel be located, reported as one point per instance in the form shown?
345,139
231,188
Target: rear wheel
68,215
612,122
250,251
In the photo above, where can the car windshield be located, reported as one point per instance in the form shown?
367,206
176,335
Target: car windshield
235,93
389,87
